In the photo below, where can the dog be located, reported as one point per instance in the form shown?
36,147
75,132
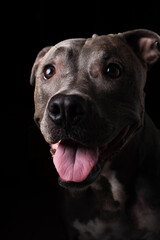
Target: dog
90,107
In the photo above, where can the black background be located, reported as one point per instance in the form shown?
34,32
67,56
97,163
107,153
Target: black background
31,200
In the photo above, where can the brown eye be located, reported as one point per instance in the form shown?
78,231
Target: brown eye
113,70
49,71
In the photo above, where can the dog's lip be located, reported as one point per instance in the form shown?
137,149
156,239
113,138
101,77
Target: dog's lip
111,149
119,139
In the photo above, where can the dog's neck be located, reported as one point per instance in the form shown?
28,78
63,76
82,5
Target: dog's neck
123,171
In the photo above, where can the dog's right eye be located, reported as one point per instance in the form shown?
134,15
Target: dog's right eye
113,70
48,71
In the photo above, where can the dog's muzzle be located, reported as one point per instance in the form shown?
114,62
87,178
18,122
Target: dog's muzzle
73,160
76,152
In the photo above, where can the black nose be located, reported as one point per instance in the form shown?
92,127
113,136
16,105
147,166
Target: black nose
65,110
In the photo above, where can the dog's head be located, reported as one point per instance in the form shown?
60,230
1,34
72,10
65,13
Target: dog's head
89,99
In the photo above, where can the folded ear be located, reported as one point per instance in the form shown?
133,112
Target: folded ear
36,63
145,43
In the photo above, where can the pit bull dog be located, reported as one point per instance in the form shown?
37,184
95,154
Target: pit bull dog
89,104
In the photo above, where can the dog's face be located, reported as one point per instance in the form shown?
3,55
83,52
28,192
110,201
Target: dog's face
89,99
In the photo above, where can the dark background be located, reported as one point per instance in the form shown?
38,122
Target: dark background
31,200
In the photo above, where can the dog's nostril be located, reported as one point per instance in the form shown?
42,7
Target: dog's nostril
74,112
56,109
56,113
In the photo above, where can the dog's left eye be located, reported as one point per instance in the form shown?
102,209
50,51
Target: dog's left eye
48,71
113,70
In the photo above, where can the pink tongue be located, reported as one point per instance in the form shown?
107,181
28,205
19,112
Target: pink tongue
74,162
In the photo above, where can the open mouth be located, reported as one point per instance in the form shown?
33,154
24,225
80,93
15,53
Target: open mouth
78,165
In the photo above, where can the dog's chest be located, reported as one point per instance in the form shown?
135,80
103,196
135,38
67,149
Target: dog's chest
101,213
111,226
98,211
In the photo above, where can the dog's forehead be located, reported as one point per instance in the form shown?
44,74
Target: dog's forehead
102,46
64,49
93,43
101,41
71,43
79,46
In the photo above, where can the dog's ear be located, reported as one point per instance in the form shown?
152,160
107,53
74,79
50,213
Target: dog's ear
36,63
145,43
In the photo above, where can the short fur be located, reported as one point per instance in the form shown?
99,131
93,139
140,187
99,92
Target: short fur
124,201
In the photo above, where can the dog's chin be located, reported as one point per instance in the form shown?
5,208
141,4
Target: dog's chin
79,165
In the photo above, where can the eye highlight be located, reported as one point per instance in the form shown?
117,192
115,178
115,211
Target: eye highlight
48,71
113,70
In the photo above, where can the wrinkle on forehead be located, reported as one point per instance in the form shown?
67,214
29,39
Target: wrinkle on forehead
71,42
64,48
97,45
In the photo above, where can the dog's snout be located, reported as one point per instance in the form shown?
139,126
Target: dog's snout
66,110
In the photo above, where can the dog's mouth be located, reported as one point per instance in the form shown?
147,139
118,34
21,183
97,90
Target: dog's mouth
79,165
76,164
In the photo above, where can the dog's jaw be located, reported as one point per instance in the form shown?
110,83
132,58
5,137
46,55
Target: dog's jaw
78,165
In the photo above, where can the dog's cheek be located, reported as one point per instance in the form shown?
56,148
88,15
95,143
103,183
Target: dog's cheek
45,130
